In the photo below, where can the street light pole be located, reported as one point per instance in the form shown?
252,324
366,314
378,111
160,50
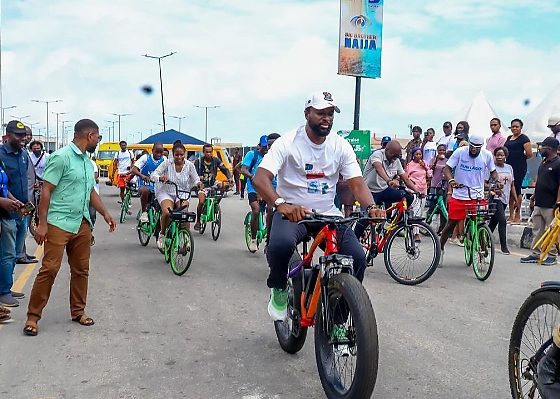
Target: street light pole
113,123
47,103
56,142
180,119
119,116
206,118
3,109
20,118
161,81
64,133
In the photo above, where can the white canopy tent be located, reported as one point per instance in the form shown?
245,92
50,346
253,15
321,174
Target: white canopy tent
535,123
478,114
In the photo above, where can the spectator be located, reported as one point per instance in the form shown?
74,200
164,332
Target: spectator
384,141
447,138
505,176
429,147
519,147
419,173
64,223
497,139
21,252
554,126
546,198
438,184
38,157
415,142
237,158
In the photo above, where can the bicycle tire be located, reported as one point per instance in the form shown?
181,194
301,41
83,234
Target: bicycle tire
217,222
485,245
125,206
291,336
468,241
413,254
143,233
181,248
348,301
519,351
202,221
168,242
367,244
247,228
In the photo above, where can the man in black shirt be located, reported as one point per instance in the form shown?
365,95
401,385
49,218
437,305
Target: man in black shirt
546,198
207,169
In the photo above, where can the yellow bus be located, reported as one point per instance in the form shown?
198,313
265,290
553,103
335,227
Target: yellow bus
193,152
105,155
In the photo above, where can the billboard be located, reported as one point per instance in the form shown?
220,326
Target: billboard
361,24
360,140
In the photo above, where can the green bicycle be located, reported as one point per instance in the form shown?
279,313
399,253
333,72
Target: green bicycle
261,227
211,212
437,206
127,201
178,249
151,228
479,247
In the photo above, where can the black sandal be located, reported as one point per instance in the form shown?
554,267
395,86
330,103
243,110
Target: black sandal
88,321
30,329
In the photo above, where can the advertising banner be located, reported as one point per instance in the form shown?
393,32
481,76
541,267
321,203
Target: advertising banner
360,142
361,24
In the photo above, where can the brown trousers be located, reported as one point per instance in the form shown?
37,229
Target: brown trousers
78,250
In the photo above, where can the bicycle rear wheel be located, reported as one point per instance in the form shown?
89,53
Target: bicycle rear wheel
483,253
532,327
468,241
182,250
347,361
409,262
125,206
217,222
247,228
143,233
291,335
168,243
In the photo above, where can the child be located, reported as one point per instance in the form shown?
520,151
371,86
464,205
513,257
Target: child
438,184
419,173
505,176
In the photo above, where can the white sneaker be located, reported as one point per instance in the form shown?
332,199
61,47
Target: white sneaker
253,246
144,217
160,241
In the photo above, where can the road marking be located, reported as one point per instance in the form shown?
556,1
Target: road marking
26,273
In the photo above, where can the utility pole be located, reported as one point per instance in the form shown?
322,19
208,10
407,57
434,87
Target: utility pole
113,124
47,124
119,116
161,81
56,142
65,136
206,118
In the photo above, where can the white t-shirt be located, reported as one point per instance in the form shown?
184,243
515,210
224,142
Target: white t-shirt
449,141
40,168
95,171
307,173
125,161
430,151
470,172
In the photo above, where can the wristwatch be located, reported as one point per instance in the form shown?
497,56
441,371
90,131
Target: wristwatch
279,201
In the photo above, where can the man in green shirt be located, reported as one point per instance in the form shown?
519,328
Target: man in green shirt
64,222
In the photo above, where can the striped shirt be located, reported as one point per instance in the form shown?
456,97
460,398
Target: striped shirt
186,179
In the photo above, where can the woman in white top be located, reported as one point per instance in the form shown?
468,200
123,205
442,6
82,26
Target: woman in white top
180,172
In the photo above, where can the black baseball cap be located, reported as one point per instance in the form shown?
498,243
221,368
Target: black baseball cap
15,127
550,142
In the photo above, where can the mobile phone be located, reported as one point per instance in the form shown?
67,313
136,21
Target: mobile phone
26,209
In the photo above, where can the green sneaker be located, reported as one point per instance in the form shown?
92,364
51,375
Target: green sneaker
278,304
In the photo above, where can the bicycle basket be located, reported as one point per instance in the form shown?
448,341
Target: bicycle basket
180,216
481,209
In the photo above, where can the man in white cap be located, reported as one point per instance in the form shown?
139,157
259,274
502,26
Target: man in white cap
472,164
307,163
554,125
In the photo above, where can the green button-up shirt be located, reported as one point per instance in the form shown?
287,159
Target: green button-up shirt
71,172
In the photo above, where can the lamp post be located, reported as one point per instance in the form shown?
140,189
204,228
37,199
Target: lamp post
180,119
161,81
20,118
206,118
56,142
119,116
47,102
113,124
64,136
5,108
32,124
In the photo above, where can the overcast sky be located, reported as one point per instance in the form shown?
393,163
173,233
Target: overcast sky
259,60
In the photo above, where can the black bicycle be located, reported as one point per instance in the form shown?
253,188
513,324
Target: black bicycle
530,373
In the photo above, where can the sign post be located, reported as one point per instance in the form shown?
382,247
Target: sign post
359,53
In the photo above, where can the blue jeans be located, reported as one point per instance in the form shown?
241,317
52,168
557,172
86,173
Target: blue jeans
21,225
7,255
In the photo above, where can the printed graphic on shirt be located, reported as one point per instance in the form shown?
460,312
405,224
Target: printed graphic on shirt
315,180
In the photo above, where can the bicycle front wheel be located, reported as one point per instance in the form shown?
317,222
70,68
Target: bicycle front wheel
468,242
143,233
125,206
346,346
483,253
247,228
203,219
532,327
410,261
217,222
182,250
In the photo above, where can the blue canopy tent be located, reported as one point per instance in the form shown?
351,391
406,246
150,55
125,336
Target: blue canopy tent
170,136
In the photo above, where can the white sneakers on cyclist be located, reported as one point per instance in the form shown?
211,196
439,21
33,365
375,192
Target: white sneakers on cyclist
253,246
144,217
160,241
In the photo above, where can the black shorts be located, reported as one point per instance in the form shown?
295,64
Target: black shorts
252,197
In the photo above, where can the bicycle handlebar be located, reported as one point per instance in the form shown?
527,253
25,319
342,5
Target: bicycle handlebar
177,191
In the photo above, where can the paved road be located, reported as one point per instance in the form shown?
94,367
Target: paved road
207,334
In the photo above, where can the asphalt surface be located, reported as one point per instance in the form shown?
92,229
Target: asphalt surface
207,334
